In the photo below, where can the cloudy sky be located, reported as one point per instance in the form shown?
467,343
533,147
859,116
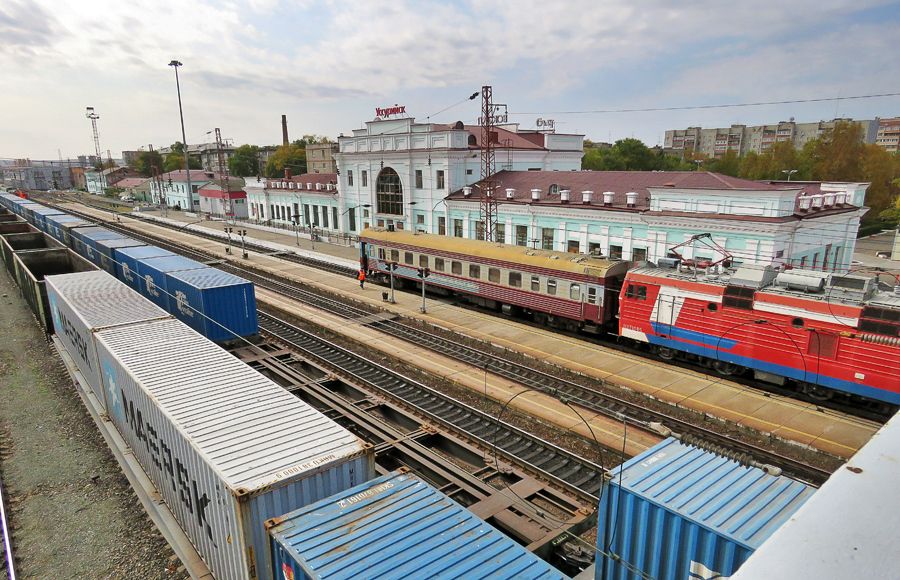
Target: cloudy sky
328,64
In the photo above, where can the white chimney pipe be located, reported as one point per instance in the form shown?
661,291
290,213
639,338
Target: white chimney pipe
586,196
510,193
535,194
608,197
631,198
564,195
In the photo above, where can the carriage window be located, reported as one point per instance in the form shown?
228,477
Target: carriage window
494,275
535,284
822,345
575,292
515,279
456,267
395,255
423,261
408,258
551,287
475,271
382,254
593,296
439,264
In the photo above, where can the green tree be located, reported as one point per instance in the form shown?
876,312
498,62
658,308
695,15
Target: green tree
145,161
882,170
245,161
291,156
728,164
837,154
175,159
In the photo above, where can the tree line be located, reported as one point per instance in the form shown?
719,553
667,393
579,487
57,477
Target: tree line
839,154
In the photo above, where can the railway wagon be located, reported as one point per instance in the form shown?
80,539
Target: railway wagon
396,526
32,240
106,250
60,227
559,289
38,217
226,448
127,263
828,335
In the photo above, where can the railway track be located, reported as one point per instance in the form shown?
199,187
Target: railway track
584,396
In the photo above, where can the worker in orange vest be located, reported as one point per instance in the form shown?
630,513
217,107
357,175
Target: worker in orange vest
362,279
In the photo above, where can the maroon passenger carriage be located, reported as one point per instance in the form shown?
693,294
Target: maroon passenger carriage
824,333
562,290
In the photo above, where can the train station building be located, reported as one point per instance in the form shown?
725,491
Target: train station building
427,177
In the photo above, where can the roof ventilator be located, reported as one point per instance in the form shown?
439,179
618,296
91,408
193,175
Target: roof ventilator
631,199
586,196
467,191
535,194
510,193
608,198
564,195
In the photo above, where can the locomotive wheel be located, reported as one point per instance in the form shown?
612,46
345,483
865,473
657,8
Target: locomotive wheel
817,392
725,368
666,353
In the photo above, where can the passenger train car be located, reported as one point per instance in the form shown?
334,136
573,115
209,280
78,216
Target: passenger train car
562,290
823,332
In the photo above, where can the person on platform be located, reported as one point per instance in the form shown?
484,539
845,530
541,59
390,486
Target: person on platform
362,279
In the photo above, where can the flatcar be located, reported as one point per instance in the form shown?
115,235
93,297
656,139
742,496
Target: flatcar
559,289
825,334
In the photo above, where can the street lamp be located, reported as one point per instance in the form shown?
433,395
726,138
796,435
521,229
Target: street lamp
411,224
789,172
355,207
187,165
90,114
391,266
296,219
699,162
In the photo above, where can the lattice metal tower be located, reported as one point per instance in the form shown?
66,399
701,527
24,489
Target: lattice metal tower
90,114
488,209
223,176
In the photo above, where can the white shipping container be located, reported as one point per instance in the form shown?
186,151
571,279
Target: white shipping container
226,447
85,302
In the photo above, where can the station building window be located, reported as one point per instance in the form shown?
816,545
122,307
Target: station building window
389,192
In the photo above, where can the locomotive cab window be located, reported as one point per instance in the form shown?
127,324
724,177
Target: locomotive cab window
494,275
738,297
408,258
515,279
456,267
551,286
439,264
475,271
535,284
636,291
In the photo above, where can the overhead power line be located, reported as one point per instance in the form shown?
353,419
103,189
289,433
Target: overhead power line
649,110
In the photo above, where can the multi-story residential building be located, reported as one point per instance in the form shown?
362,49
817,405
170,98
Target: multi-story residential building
758,138
888,135
320,157
41,175
174,191
206,153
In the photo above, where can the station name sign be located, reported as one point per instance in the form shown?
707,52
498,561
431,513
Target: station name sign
388,111
495,119
549,123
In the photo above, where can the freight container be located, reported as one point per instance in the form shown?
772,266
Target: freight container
24,209
396,527
676,512
90,239
16,227
32,268
11,243
106,251
8,216
152,272
84,303
226,448
39,215
78,234
55,227
218,305
127,260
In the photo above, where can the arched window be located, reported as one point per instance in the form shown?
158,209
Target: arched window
554,189
389,192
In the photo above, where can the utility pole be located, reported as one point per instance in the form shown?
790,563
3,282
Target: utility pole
187,166
223,178
488,208
90,114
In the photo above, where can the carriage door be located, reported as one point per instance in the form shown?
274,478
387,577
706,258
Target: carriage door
593,304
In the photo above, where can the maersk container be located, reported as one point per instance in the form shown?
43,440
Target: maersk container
396,527
677,512
127,263
90,239
55,227
83,303
152,272
226,448
78,243
39,217
106,251
218,305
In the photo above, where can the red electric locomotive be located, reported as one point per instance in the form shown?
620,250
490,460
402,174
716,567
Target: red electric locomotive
825,333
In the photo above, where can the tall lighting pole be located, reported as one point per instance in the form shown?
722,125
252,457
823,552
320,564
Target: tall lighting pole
90,114
187,165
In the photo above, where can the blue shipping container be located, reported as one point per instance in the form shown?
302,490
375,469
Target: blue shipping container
89,239
218,305
39,215
396,527
78,234
106,250
127,263
152,272
55,227
676,512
